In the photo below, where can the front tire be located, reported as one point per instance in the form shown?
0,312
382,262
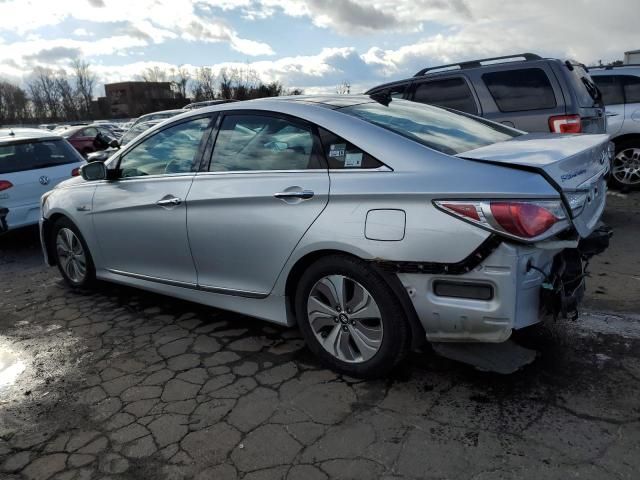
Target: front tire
350,317
625,166
72,255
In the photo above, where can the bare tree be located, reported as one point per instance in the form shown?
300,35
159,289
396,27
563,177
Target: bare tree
154,74
13,103
344,88
85,82
204,85
44,93
67,95
180,78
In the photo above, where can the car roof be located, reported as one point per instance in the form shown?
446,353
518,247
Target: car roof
176,111
472,65
10,135
332,102
616,70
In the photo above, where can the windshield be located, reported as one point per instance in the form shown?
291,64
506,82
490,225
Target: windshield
41,154
443,130
133,132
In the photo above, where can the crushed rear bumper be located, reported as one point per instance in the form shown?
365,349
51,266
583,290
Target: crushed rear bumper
515,286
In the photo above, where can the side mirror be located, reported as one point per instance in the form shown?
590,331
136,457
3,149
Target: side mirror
94,171
114,143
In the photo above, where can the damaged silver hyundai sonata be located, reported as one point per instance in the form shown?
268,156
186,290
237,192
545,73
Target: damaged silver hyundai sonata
372,223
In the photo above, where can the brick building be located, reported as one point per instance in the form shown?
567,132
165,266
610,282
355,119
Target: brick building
132,99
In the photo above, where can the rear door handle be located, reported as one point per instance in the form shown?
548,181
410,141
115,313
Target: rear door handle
611,114
302,194
169,201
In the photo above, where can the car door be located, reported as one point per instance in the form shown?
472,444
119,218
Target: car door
264,186
613,96
140,218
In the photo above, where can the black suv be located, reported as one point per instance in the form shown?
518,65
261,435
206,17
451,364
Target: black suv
524,91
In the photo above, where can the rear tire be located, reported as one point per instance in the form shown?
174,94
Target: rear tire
72,254
350,317
625,166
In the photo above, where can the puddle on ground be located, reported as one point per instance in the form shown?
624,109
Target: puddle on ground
10,367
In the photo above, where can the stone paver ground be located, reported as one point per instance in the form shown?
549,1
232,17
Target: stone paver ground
123,384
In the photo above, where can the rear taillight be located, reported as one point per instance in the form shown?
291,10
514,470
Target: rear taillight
565,124
5,184
521,219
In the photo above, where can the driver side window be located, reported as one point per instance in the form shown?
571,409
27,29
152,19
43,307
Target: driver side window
171,150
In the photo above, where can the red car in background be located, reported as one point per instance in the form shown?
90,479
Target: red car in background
83,138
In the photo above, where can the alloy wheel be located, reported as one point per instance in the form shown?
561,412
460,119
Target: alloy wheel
345,318
71,255
626,166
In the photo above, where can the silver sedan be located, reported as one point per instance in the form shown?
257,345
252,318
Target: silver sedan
374,224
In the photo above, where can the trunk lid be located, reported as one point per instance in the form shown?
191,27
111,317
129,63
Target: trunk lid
573,164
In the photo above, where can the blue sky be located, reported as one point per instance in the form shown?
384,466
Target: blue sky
310,44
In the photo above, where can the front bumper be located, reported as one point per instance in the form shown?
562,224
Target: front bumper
516,275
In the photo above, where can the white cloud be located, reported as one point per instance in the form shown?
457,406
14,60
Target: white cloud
82,32
152,20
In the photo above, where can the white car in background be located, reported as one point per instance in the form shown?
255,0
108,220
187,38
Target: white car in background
620,87
32,162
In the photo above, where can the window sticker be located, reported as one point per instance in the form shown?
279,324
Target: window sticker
353,160
337,150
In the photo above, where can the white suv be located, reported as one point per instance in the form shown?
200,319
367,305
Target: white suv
32,162
620,87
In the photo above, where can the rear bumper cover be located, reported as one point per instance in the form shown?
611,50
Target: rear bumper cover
517,275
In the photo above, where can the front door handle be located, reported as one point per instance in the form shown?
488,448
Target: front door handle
302,194
169,201
612,114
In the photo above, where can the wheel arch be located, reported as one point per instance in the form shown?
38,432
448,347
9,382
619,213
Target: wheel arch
47,226
626,138
418,334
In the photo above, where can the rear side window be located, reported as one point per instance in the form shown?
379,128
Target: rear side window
520,90
611,88
450,93
262,142
631,89
342,155
31,156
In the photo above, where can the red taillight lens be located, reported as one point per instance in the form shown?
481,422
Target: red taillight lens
5,184
465,209
565,124
524,220
75,172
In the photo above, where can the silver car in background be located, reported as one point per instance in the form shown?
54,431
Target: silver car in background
374,224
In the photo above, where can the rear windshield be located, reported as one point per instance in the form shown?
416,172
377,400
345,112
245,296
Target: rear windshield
437,128
587,93
20,157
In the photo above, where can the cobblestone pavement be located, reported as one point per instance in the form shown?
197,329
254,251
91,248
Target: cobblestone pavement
123,384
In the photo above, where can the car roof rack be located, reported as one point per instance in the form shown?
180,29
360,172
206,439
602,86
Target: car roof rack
478,63
611,67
